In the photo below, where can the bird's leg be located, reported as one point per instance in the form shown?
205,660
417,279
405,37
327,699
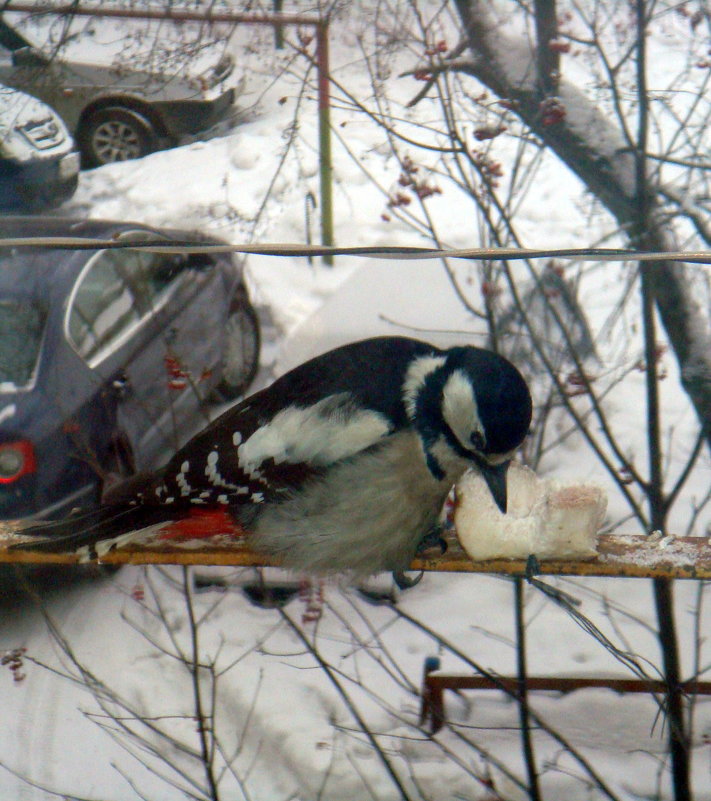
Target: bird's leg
432,539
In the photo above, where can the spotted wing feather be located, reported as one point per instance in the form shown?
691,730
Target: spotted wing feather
320,413
247,459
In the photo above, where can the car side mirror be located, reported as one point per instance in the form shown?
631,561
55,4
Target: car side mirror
29,57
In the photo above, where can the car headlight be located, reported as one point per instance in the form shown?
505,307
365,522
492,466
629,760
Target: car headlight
16,459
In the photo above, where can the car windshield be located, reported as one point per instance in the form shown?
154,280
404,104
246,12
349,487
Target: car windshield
21,327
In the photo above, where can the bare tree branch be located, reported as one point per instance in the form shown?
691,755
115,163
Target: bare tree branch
595,150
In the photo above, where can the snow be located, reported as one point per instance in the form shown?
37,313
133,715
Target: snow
289,730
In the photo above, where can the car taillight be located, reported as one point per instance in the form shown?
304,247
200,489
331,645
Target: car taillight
16,459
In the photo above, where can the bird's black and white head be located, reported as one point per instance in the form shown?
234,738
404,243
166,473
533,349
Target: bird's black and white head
470,404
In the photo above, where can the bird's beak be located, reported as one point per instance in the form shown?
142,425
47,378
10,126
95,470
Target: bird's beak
495,477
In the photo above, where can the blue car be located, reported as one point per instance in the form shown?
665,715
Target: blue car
108,358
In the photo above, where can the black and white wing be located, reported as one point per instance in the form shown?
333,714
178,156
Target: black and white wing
324,411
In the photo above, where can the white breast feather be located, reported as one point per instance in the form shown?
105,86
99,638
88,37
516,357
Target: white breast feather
364,515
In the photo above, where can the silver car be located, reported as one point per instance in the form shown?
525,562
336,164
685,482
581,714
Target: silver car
117,111
39,166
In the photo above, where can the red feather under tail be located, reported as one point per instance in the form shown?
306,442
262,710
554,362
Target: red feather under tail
201,524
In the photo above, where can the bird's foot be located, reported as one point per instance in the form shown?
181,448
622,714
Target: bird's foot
533,567
403,581
433,539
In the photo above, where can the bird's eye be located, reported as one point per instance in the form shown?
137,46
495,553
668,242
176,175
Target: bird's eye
478,441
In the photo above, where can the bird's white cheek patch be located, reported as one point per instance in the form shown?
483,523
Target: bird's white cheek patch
459,408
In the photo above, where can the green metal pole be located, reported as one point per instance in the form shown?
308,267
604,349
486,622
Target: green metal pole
278,29
324,138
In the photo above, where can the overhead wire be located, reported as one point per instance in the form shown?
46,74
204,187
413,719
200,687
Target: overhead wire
372,251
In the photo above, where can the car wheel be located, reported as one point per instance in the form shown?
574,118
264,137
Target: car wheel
115,134
242,344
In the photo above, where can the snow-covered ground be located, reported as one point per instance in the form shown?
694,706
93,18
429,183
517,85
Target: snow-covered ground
280,722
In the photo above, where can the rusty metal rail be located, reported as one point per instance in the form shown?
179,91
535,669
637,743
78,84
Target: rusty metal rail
432,709
634,556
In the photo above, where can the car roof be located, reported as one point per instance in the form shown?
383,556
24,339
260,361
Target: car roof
28,270
41,272
38,226
41,226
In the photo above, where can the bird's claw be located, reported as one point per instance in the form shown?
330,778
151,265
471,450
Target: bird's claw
533,568
404,582
433,539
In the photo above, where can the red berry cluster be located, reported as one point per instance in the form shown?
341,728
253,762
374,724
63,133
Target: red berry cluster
312,594
178,377
488,132
578,383
490,170
399,199
13,660
138,592
407,179
436,49
552,111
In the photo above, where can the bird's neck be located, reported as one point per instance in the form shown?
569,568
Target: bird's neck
443,461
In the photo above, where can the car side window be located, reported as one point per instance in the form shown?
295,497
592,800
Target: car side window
116,291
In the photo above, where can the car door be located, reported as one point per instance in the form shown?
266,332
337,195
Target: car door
137,319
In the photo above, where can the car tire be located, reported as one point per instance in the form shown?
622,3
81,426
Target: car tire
115,134
242,345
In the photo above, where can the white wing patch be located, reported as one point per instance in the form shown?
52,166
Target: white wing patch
459,408
321,434
415,379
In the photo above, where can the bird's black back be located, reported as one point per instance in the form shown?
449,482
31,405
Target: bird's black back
372,371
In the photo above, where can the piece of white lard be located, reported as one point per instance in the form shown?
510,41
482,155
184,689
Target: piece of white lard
547,518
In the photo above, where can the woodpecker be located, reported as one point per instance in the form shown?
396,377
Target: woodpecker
342,464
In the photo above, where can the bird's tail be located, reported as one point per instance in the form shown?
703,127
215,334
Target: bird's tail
93,533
